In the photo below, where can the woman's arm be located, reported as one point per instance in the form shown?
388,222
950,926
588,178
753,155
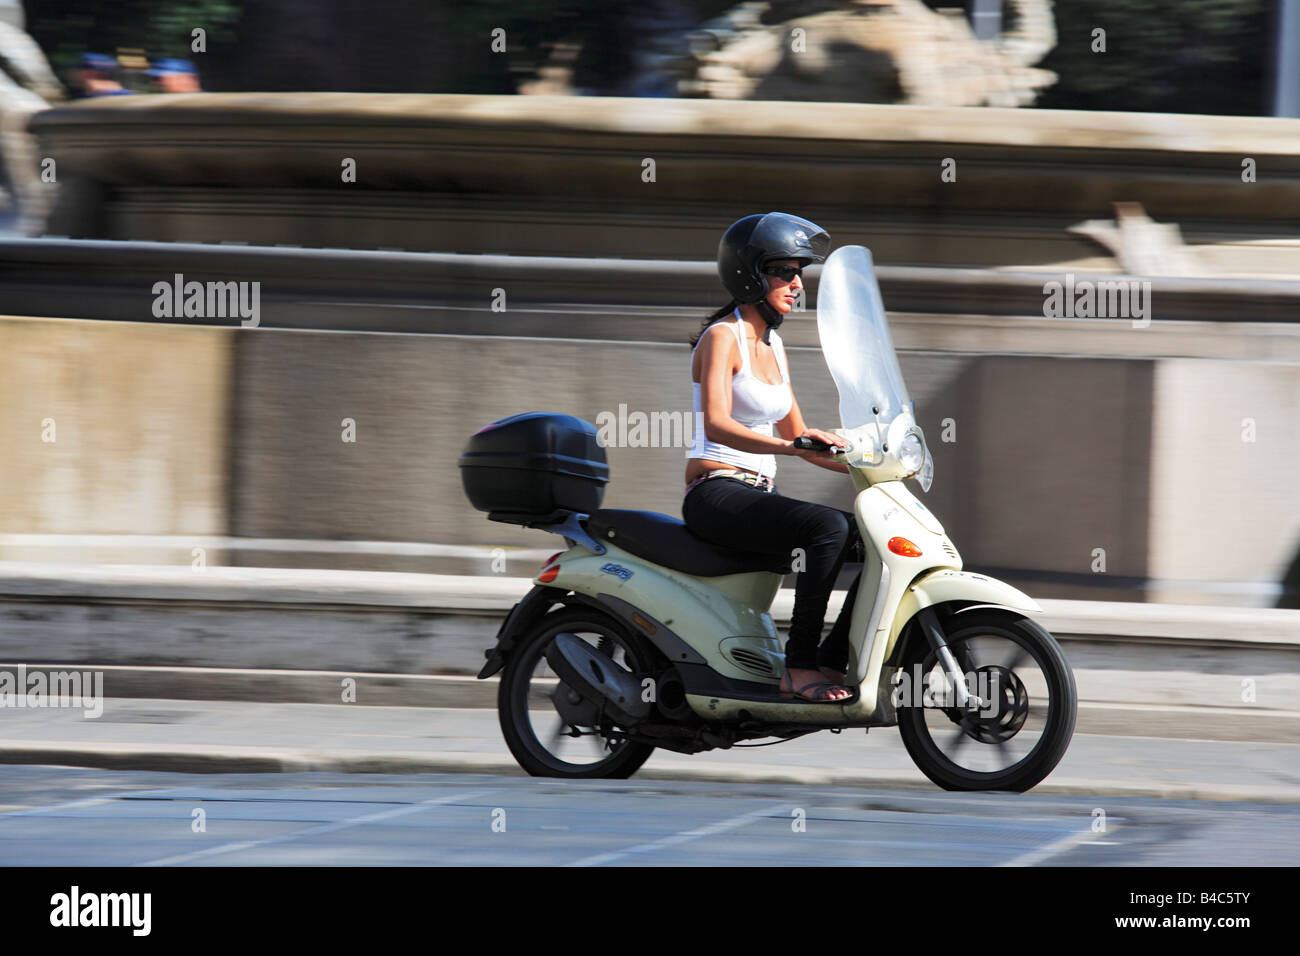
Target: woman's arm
719,362
792,427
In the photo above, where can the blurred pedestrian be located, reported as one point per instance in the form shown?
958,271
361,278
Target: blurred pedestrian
174,76
97,76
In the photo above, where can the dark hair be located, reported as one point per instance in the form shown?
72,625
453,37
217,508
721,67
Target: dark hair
722,313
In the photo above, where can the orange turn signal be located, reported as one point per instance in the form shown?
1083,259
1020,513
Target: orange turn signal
550,574
904,547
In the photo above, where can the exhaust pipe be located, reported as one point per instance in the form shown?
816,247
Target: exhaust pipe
597,678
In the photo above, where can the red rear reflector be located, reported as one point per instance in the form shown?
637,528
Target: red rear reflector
549,575
551,560
904,547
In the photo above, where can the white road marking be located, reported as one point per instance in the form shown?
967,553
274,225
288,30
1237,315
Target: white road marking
70,805
1055,848
685,837
313,831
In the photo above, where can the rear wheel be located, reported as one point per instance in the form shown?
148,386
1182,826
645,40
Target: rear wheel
551,730
1021,733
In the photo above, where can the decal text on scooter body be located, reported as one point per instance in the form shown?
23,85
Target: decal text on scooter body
619,570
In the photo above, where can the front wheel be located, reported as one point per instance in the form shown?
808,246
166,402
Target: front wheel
551,730
1021,731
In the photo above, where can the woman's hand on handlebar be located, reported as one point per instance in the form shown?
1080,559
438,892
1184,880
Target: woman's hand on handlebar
815,444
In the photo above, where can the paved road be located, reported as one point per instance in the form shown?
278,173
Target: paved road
78,817
852,798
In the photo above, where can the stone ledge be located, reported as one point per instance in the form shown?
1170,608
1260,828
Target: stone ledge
1272,628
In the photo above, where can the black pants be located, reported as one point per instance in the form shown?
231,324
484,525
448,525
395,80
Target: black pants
732,514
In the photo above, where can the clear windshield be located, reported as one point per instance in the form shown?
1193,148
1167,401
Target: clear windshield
856,342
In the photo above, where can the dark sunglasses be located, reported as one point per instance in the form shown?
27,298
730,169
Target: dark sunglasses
784,273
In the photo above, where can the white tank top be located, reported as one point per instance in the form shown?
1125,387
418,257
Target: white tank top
754,403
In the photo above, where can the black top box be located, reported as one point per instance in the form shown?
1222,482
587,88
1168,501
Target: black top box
534,467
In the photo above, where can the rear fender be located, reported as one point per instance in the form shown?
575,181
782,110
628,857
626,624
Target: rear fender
522,617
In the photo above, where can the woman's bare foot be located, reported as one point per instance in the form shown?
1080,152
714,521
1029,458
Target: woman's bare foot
834,676
813,684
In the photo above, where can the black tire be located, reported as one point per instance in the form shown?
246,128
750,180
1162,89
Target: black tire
525,673
1048,694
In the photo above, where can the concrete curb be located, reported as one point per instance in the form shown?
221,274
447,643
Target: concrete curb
263,686
277,760
1123,718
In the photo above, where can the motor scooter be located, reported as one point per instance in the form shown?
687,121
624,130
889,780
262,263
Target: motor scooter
642,636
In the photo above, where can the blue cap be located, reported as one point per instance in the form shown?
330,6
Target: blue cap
98,61
164,67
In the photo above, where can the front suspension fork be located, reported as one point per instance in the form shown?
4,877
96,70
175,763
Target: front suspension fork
929,622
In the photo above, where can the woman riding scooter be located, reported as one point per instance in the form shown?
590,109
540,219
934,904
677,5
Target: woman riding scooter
742,392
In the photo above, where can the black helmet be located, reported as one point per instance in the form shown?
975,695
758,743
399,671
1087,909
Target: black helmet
753,242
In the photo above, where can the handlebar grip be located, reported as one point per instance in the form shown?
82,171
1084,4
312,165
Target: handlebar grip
812,444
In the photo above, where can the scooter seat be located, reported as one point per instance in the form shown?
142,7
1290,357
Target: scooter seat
665,540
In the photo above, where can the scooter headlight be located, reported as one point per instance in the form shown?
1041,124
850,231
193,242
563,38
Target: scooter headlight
911,454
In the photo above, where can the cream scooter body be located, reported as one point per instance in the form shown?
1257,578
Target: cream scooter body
713,618
613,650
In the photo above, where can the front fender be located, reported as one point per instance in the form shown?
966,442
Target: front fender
944,585
522,616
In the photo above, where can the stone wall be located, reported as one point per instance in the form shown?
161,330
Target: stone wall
1040,461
